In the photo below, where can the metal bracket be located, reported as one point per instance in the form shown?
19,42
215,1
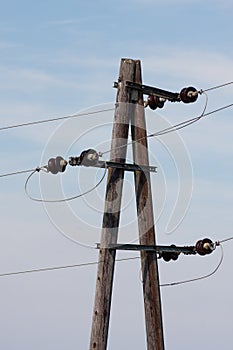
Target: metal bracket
127,166
108,164
151,248
149,90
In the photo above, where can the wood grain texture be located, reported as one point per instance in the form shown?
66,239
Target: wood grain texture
101,315
129,108
150,276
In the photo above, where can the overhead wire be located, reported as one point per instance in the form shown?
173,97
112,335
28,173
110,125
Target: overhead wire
184,123
164,131
188,122
36,122
63,267
18,172
156,134
176,127
226,240
54,119
219,86
54,268
159,133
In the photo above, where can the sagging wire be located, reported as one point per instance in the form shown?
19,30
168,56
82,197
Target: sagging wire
190,121
171,128
174,127
184,123
61,200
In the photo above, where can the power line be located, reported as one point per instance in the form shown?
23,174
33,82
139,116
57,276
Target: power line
20,172
54,119
64,267
178,126
184,123
172,128
219,86
86,113
43,269
54,268
226,240
188,122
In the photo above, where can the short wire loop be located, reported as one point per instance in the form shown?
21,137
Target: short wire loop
196,278
61,200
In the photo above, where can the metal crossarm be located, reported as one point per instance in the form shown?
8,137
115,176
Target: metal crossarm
157,248
150,90
125,166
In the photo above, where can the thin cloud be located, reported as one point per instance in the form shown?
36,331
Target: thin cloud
204,66
64,22
7,45
25,78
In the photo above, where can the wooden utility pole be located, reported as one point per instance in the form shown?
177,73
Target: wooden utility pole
150,276
129,107
112,208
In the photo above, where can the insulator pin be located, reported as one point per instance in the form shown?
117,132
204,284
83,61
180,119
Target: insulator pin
204,246
188,94
155,102
87,158
56,165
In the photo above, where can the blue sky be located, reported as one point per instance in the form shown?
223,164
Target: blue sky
60,58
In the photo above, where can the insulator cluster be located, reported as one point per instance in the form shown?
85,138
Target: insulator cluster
87,158
155,102
56,165
202,247
186,95
167,256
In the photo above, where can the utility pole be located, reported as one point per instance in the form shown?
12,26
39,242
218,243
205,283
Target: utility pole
150,276
112,208
129,108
